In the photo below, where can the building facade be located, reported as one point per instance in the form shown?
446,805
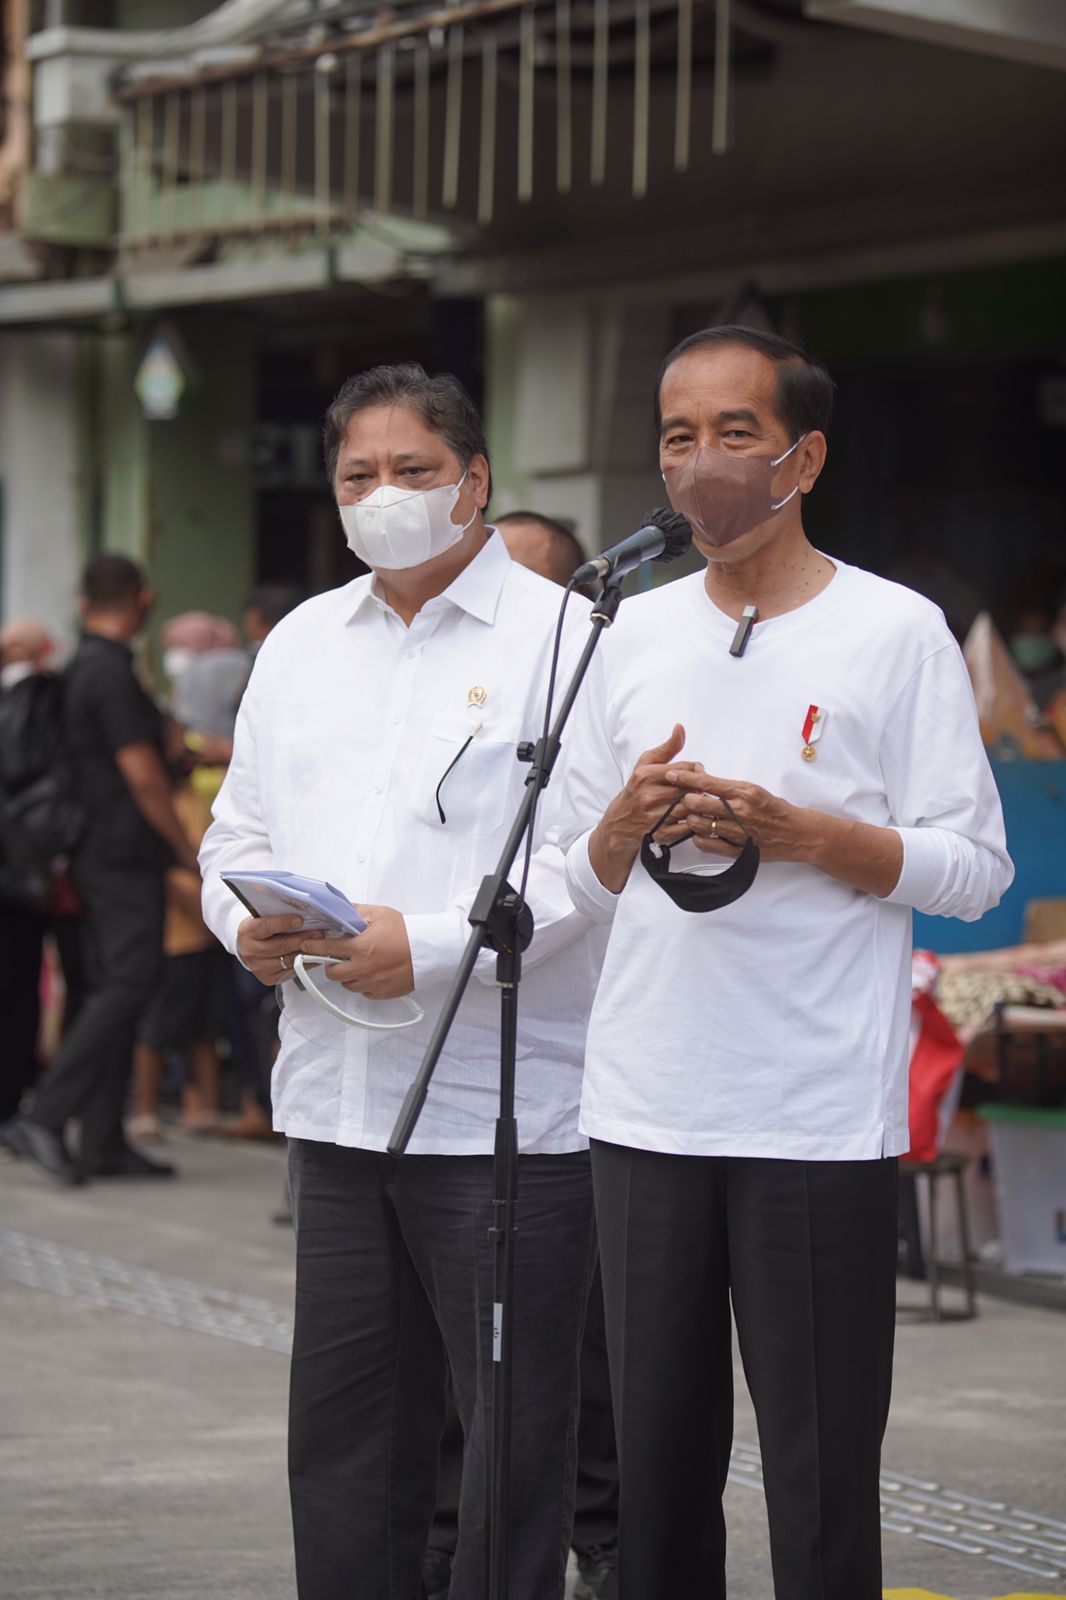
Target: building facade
541,195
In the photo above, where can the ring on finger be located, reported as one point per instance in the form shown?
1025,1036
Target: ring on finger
714,827
284,964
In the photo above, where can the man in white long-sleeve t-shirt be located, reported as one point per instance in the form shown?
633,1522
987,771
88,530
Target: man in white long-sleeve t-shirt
779,761
376,749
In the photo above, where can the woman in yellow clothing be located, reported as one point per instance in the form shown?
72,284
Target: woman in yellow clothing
188,1013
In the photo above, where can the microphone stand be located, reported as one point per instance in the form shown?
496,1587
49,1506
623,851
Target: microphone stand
501,920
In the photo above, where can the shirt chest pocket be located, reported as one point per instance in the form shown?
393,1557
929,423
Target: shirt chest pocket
467,782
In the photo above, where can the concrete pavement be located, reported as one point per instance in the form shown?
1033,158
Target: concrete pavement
143,1392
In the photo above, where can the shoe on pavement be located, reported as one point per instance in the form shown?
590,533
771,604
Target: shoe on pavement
130,1163
43,1147
437,1574
9,1136
597,1570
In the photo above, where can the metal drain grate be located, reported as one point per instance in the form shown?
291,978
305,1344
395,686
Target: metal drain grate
1025,1541
1022,1540
102,1281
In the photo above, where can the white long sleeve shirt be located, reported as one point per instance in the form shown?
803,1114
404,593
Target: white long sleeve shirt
778,1026
347,728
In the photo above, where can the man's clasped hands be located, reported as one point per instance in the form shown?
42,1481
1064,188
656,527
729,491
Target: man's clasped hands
377,962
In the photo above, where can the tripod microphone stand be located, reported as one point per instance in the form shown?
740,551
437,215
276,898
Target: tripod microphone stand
501,921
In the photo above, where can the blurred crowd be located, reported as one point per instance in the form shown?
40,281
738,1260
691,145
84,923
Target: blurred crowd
123,1014
79,863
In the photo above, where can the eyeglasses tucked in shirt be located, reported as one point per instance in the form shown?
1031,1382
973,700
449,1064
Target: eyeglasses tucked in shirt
452,764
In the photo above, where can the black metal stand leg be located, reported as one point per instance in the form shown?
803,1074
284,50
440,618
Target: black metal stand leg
500,919
505,1172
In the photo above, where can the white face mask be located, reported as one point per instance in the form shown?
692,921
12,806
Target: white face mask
395,528
175,660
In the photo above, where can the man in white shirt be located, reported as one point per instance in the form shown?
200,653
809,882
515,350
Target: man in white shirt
746,1073
376,748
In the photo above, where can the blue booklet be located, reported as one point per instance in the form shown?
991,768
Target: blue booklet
278,894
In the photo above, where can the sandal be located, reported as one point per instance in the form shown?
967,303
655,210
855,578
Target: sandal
145,1128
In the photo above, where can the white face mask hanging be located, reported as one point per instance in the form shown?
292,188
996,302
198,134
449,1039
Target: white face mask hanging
320,1011
395,528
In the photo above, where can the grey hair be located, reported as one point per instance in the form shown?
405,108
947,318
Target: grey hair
441,401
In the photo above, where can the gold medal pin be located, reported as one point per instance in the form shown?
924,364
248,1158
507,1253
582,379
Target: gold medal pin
812,731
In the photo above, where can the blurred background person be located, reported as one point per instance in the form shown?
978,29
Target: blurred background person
189,1011
35,894
192,634
553,550
205,702
542,544
115,744
255,1014
187,1014
1033,645
264,608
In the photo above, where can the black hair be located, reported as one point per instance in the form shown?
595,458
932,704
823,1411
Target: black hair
804,399
112,581
274,601
565,540
441,402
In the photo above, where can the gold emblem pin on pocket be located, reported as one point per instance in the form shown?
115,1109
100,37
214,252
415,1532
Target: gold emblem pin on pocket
477,696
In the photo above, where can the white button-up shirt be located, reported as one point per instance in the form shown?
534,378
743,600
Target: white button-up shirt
349,724
778,1026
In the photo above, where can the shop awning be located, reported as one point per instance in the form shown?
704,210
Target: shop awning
435,112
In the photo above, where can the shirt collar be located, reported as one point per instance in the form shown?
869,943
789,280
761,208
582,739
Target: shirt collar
100,641
476,590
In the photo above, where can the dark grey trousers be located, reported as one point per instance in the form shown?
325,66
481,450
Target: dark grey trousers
122,945
596,1493
806,1250
394,1287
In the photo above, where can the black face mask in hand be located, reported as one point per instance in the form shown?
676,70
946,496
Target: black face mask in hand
694,891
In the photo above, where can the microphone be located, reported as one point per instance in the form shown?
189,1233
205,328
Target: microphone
664,536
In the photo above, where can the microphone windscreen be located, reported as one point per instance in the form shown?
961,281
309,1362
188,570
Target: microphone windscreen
676,529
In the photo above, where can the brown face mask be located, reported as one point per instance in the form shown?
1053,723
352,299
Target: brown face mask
725,496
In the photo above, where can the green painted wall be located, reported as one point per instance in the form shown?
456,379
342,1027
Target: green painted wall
178,495
503,357
200,496
120,433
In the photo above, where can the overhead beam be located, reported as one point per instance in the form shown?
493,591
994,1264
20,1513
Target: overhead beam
1033,31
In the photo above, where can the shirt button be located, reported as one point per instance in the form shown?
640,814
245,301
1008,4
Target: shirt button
361,856
378,788
396,717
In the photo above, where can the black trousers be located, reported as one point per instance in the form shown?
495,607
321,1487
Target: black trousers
596,1492
21,945
806,1250
394,1269
22,934
122,946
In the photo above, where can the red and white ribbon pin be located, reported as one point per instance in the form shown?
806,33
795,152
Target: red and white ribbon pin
812,731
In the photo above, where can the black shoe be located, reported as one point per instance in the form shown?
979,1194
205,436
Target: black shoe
437,1574
9,1136
597,1570
130,1163
44,1147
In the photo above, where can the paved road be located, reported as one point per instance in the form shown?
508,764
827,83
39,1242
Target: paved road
142,1408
